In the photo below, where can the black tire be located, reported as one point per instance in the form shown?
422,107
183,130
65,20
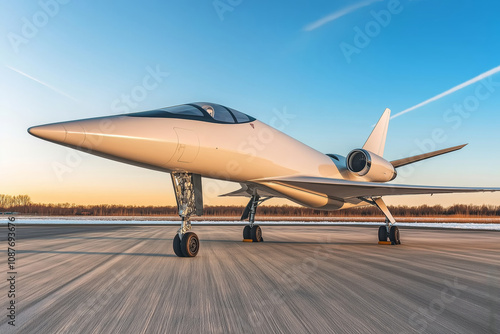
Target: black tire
247,234
394,236
382,233
190,244
177,246
256,233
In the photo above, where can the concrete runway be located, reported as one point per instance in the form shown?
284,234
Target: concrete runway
116,279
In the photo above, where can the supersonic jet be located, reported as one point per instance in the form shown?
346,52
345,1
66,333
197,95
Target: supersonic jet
198,140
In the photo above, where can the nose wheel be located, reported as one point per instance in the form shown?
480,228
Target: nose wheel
256,233
247,232
188,246
253,233
188,194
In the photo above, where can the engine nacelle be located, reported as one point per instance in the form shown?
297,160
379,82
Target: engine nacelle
370,166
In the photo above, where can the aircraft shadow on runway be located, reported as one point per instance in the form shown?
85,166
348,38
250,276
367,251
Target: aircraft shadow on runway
94,253
368,243
112,238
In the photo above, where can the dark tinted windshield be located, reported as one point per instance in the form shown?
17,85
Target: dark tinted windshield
240,117
217,112
201,111
184,109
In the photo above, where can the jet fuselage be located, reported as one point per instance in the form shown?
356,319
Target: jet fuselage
231,151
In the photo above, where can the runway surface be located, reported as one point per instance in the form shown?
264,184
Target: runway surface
126,279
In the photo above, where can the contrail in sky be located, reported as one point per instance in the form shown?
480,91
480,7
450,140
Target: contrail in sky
451,91
338,14
42,83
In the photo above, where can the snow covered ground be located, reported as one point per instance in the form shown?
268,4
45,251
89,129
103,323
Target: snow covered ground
104,221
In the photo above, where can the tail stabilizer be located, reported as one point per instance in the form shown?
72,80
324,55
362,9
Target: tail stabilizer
407,161
376,141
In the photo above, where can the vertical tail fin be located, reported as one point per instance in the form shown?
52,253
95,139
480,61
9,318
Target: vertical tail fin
376,141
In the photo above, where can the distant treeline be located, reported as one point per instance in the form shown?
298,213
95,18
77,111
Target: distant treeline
23,205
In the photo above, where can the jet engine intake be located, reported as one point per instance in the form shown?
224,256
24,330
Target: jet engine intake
371,167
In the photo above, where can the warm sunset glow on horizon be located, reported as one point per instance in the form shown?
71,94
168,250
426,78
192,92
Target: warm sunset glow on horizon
73,70
159,196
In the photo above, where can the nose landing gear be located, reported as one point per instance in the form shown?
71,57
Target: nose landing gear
187,188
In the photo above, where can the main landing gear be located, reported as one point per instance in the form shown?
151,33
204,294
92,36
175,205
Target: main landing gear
388,231
252,232
187,188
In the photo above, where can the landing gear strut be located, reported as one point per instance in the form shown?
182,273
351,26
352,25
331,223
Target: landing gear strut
389,231
251,231
187,188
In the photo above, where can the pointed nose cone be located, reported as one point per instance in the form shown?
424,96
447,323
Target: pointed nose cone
53,132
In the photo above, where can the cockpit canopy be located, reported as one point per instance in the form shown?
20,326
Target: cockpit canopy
200,111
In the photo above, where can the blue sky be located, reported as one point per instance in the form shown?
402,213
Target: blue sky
80,58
